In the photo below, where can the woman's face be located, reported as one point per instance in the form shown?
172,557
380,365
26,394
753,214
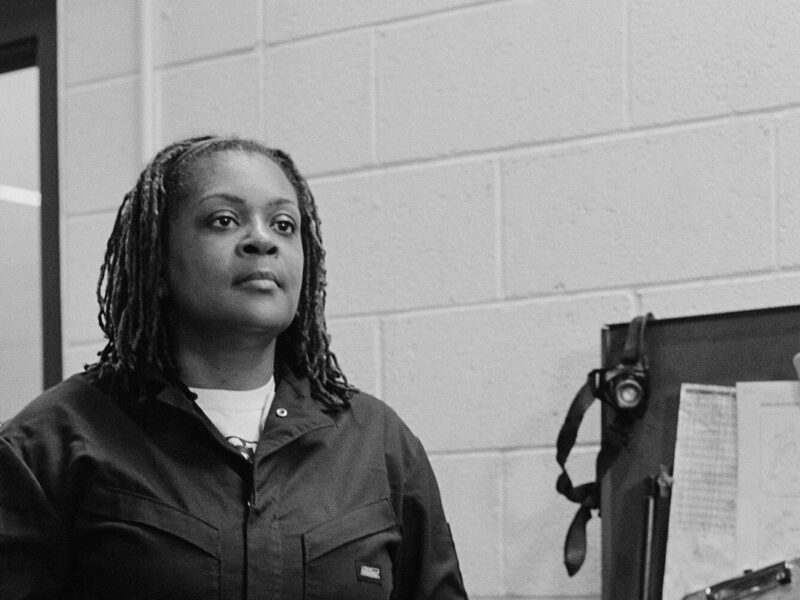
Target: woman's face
235,255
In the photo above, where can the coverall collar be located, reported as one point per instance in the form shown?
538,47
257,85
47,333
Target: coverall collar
293,413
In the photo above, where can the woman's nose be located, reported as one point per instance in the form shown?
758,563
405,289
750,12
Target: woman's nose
258,240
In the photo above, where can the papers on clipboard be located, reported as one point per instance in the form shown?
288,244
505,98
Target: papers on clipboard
736,492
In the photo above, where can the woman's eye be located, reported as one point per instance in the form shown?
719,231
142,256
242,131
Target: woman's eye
286,226
223,221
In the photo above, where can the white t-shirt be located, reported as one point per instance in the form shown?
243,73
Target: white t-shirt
239,415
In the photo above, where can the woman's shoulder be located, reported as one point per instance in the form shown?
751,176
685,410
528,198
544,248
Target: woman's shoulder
372,413
364,404
58,407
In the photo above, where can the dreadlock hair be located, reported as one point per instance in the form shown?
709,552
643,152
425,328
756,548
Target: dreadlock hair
133,277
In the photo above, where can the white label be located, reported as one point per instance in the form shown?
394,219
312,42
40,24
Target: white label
370,572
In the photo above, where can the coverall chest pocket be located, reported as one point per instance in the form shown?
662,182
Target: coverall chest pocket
350,556
132,546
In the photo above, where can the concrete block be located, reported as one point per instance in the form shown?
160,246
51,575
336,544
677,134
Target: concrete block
647,209
471,486
290,19
506,74
695,59
84,248
788,184
409,238
189,29
318,98
721,296
356,345
101,39
101,154
220,97
536,522
496,376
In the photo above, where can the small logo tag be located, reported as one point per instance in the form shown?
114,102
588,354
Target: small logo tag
368,573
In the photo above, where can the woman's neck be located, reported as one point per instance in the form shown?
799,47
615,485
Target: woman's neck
223,362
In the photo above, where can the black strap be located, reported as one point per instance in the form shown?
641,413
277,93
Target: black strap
616,434
634,350
575,543
615,437
569,430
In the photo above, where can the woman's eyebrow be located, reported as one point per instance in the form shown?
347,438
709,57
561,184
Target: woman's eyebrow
280,200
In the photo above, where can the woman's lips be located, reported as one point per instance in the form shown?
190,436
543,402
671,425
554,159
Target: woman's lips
259,280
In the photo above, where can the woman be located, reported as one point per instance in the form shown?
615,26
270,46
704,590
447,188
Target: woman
216,450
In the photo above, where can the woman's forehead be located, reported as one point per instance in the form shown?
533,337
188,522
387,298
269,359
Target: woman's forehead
235,169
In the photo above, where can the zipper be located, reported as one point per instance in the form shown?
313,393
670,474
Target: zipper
249,504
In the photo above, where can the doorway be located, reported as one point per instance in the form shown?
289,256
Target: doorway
30,328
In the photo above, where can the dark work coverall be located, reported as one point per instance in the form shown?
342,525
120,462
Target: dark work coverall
102,501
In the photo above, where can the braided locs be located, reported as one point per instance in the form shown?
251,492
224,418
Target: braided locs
132,277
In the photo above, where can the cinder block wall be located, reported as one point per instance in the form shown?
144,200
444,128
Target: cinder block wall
497,180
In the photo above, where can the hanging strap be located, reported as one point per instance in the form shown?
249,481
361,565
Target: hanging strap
615,436
634,350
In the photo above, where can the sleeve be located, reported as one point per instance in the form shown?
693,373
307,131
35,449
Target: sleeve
33,547
427,566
